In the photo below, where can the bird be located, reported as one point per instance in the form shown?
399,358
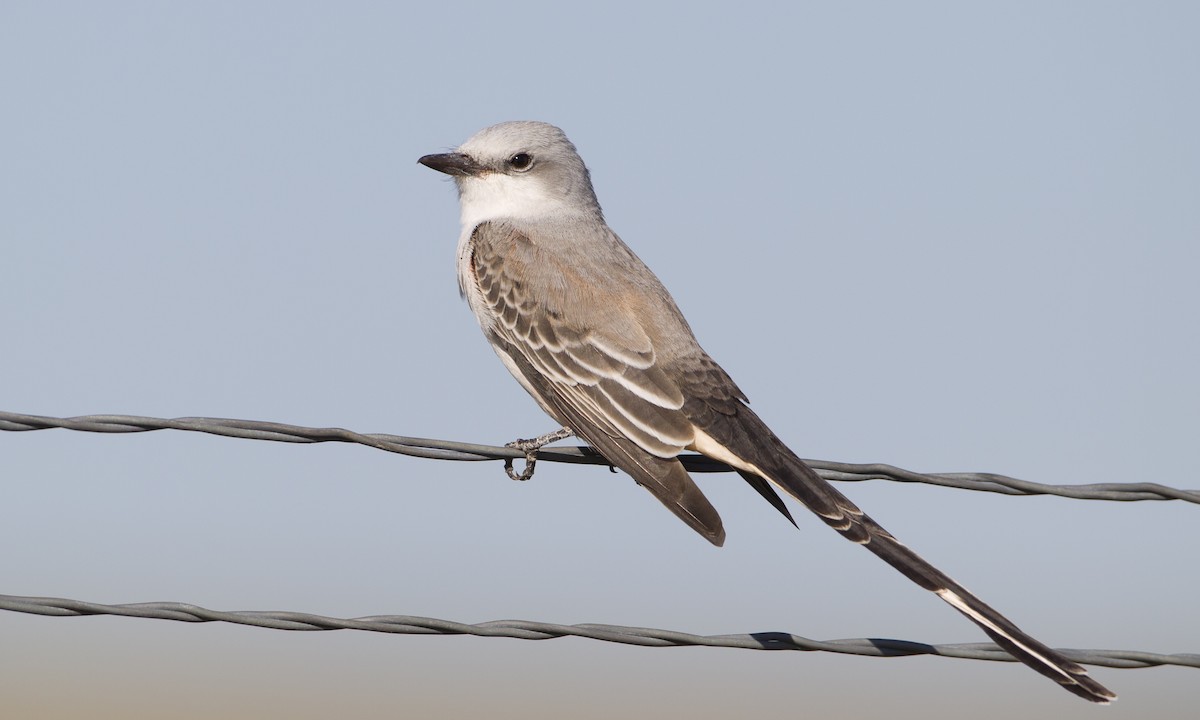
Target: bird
595,338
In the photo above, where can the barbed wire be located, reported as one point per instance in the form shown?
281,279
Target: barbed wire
531,630
474,452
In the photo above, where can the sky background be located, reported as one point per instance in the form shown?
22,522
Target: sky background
947,236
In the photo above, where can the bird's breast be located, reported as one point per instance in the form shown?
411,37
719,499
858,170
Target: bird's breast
468,283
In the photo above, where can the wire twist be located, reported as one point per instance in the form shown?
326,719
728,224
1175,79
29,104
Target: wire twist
473,452
531,630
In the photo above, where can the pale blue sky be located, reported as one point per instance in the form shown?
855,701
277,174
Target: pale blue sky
947,236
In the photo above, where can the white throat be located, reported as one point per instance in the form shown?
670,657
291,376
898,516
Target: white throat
496,196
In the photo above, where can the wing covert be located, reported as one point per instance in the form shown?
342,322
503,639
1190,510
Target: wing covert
597,355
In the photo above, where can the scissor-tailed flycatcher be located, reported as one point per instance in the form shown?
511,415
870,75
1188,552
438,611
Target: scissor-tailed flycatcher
598,342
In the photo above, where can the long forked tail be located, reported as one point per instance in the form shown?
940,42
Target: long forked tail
750,446
1045,660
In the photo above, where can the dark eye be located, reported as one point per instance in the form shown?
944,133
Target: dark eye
521,161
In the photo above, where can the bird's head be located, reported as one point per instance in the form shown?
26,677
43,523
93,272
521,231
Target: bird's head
521,170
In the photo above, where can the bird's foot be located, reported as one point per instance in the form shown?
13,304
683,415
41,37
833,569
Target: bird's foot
530,448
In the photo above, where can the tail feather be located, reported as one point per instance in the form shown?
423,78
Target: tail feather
764,488
748,440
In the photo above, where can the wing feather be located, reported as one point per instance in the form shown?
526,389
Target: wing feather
598,355
581,345
592,364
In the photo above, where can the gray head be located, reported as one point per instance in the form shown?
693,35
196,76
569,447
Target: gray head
518,170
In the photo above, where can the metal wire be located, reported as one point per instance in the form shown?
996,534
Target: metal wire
472,452
530,630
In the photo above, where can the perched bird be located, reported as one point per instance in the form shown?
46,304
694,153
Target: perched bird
595,338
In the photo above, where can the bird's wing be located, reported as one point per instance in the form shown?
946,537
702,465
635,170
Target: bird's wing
587,358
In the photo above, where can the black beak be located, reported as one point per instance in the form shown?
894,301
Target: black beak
452,164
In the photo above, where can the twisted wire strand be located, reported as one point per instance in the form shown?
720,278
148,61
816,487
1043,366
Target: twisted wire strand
532,630
474,452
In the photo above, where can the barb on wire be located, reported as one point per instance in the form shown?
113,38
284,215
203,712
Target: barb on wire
530,630
452,450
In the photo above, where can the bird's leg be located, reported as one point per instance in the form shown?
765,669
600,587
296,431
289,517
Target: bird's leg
530,448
